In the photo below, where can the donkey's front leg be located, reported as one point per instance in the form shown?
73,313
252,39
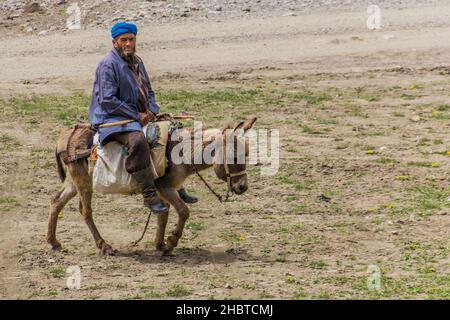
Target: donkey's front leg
160,232
171,195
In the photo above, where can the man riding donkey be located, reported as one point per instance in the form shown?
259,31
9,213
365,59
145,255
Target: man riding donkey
122,91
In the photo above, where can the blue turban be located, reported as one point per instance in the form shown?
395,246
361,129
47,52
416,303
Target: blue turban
123,27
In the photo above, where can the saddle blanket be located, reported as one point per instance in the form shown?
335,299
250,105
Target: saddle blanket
109,173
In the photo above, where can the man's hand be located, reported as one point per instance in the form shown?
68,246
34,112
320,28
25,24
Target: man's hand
146,117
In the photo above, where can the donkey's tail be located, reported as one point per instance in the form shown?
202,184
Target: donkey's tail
59,165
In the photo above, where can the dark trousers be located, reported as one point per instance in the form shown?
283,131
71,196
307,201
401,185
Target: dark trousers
138,156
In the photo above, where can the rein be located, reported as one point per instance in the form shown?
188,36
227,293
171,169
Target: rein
227,173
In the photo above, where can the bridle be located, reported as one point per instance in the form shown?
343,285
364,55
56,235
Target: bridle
228,174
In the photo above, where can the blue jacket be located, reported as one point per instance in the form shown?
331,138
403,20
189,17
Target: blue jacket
115,96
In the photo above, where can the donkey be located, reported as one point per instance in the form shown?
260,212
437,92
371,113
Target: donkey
79,181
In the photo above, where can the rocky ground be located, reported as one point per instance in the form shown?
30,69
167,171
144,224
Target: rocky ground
50,16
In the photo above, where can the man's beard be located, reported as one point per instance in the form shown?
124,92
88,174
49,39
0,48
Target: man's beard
128,57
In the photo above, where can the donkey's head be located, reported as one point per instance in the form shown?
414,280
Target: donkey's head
229,163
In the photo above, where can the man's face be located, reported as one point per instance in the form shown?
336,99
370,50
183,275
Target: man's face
125,44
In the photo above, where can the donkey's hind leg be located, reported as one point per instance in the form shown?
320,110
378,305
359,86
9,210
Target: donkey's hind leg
83,185
58,202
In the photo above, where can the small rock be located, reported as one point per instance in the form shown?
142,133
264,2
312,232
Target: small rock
324,198
415,118
51,260
32,7
228,286
388,36
218,8
43,33
394,233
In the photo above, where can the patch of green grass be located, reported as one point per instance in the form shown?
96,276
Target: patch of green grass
281,230
184,250
132,297
373,96
265,295
291,198
377,220
386,161
424,142
310,96
300,294
430,199
324,121
43,293
423,164
310,130
420,256
299,208
228,235
443,107
37,153
356,111
296,184
318,264
323,295
439,115
65,109
231,251
195,226
8,202
152,294
248,286
290,279
406,96
375,133
177,291
57,272
235,99
8,143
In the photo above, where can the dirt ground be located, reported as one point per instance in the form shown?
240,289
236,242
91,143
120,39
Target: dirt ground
364,177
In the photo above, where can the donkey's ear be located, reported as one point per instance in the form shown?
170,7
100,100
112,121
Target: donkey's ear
249,123
240,125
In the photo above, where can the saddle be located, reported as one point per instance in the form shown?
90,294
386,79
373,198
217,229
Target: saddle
108,161
110,175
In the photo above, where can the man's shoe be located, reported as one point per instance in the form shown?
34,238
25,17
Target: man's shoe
186,198
146,185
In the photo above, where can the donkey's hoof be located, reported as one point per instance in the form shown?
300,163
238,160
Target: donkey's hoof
161,247
168,253
107,250
56,245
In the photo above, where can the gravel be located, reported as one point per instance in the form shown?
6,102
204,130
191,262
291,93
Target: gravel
15,15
